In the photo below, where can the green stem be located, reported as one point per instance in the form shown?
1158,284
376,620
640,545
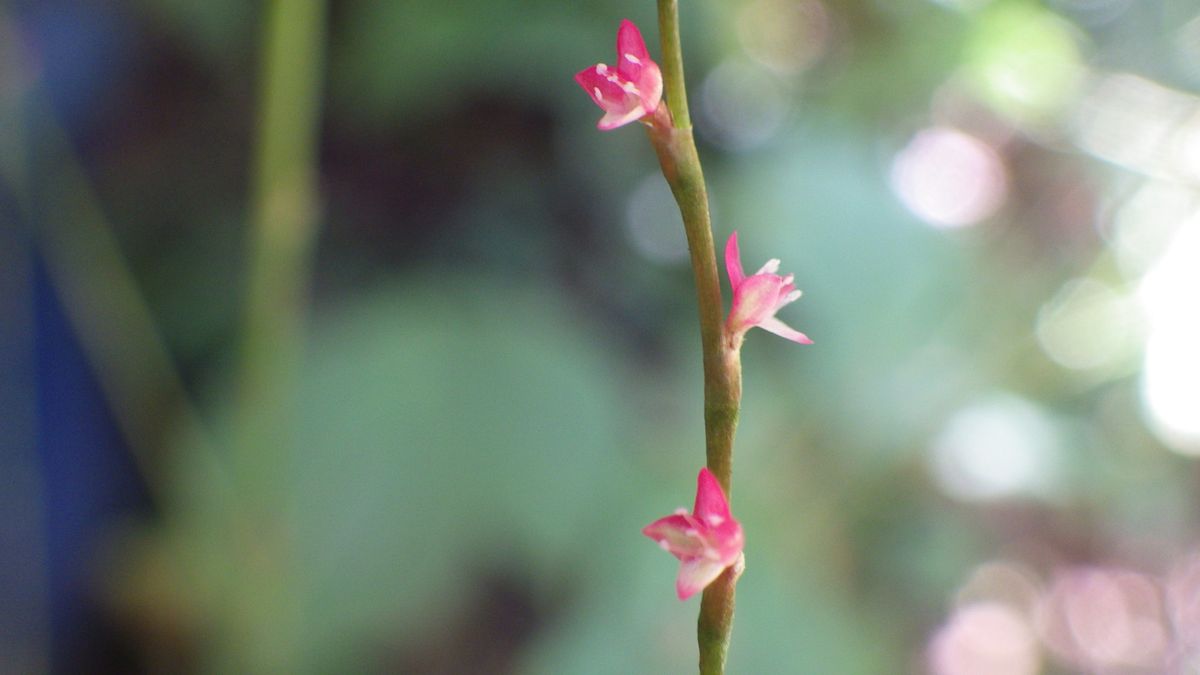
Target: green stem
283,230
672,62
676,149
284,221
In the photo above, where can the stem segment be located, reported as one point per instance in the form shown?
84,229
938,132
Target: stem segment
283,230
285,207
676,149
672,62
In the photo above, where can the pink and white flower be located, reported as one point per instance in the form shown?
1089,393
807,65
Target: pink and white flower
630,91
756,298
706,541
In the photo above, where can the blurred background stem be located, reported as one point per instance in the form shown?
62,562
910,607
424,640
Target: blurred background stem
283,232
112,320
680,162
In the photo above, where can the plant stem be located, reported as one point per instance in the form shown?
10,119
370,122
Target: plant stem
284,221
672,62
283,230
676,149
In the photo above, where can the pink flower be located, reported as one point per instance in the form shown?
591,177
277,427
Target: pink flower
757,298
630,91
705,542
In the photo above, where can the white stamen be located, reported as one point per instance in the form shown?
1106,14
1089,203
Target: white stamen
692,532
630,88
633,59
681,511
664,545
771,267
601,69
596,91
715,520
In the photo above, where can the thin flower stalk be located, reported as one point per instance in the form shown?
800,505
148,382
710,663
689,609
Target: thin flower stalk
708,542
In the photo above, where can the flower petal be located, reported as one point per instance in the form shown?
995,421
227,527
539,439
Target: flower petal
722,532
695,574
787,295
605,90
710,499
617,118
726,542
733,262
632,55
754,301
679,535
784,331
650,84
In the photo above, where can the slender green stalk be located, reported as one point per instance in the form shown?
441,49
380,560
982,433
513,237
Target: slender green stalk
283,230
680,163
672,62
264,621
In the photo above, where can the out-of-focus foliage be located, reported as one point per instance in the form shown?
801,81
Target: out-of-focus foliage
985,464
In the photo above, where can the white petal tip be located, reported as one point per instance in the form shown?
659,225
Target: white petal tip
771,266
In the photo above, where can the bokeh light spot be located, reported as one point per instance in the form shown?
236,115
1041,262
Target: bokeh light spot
986,638
787,36
1171,373
653,223
1147,222
1087,325
1100,619
1023,61
1183,603
1001,581
998,447
743,105
949,179
1139,124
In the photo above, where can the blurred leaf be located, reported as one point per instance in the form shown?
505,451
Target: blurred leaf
444,431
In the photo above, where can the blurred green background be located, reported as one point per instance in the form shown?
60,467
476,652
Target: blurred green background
985,464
